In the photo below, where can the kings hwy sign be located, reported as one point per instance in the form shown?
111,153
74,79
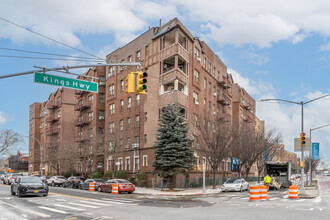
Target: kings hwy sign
65,82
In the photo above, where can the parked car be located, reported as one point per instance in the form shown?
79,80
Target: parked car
85,184
10,177
235,185
2,176
73,181
56,180
123,186
43,178
28,185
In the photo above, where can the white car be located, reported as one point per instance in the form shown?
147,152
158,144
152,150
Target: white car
56,180
235,185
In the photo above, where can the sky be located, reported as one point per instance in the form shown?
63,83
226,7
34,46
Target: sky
274,49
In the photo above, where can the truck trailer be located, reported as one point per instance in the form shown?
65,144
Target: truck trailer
279,172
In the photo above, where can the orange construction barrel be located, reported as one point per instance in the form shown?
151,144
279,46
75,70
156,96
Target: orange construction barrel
263,193
115,189
254,193
293,192
92,187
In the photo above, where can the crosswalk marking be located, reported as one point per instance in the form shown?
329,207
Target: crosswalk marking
37,213
68,207
120,200
95,203
53,210
88,206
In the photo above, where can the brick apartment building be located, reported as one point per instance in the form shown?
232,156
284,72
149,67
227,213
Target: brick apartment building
116,130
51,131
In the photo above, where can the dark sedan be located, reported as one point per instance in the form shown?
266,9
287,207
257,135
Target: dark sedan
85,184
28,185
73,181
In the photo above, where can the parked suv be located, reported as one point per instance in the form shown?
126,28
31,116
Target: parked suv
10,178
56,180
73,181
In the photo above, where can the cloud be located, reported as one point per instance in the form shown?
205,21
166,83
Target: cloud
3,118
249,85
325,47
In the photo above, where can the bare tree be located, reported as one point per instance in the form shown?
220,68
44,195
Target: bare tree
53,157
314,164
8,140
252,145
215,144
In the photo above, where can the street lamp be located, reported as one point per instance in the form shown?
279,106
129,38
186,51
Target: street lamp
41,149
302,103
310,159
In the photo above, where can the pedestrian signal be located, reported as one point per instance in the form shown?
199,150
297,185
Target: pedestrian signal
141,82
302,139
130,83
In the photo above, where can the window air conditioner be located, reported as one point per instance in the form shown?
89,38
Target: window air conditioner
197,103
214,113
215,94
101,117
135,145
198,59
127,146
102,83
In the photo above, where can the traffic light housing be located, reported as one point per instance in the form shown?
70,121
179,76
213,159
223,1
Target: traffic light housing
130,83
141,82
302,139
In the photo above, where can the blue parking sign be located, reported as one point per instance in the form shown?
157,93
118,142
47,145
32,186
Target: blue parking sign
315,151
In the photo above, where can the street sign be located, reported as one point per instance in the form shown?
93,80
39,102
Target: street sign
315,151
297,147
65,82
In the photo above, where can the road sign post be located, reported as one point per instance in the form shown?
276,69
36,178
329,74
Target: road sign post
65,82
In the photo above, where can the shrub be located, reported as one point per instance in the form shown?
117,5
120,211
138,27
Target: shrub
120,174
108,174
96,174
140,179
70,173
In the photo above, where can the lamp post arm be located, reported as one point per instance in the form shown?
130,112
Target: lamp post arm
316,98
283,100
312,129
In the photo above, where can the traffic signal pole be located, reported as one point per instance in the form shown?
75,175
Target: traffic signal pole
302,187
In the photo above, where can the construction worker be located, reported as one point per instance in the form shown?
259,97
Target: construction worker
267,181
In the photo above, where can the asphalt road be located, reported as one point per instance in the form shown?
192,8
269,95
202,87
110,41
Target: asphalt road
78,204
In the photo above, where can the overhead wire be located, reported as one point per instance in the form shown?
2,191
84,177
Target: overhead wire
48,58
44,53
10,22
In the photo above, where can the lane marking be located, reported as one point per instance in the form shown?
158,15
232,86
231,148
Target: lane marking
53,210
69,207
77,197
28,210
119,200
88,206
95,203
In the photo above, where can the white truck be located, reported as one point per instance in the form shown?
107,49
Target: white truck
280,172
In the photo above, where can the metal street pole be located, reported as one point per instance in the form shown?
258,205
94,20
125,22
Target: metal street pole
204,190
302,103
310,157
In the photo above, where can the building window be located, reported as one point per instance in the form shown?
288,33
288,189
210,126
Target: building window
58,114
112,108
145,161
145,116
128,142
195,98
90,116
197,54
121,124
120,163
145,138
136,163
210,67
101,98
127,163
196,76
209,106
121,67
112,127
90,99
121,105
137,99
122,85
138,56
111,71
137,139
129,102
147,50
79,167
204,83
205,63
121,143
59,100
111,90
137,121
129,59
109,164
169,87
90,132
58,129
101,115
210,87
128,123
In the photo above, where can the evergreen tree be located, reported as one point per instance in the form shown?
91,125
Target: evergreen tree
173,154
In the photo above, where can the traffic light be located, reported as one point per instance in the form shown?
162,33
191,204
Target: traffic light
130,83
302,139
141,82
